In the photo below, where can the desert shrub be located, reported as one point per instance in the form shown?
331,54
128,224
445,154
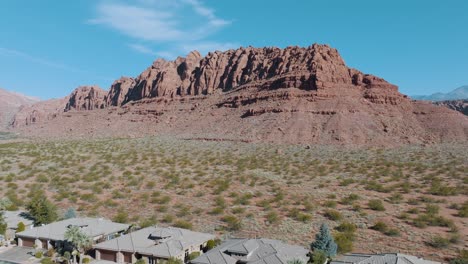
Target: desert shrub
232,222
350,199
463,210
437,188
346,227
396,198
380,226
168,218
330,204
272,217
344,242
121,216
193,255
319,257
21,227
38,254
376,205
47,261
392,232
217,211
183,224
333,215
432,209
439,242
462,258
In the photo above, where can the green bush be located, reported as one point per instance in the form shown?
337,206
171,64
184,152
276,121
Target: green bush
272,217
439,242
86,260
38,254
333,215
346,227
319,257
344,242
380,226
233,223
376,205
47,261
193,255
183,224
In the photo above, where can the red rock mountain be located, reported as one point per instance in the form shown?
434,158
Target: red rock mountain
10,103
292,95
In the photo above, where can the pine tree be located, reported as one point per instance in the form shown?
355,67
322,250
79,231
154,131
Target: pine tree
70,213
41,209
324,242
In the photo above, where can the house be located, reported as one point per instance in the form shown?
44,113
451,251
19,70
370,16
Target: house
52,235
387,258
12,219
152,244
253,251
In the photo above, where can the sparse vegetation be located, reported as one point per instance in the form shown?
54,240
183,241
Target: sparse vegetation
246,189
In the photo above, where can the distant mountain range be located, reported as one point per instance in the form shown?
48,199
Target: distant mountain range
457,94
10,104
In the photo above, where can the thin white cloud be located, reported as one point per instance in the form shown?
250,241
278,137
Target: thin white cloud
138,22
174,26
44,62
143,49
16,53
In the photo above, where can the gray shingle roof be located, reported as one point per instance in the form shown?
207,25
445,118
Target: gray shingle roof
253,251
93,227
386,258
163,242
12,218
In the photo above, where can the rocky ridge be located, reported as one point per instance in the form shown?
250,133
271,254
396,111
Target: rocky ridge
291,95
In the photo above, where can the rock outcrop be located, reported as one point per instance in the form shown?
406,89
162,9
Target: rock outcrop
86,98
457,105
10,104
292,95
39,113
317,67
118,91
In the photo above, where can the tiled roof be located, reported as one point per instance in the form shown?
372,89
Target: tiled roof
12,218
93,227
253,251
173,242
386,258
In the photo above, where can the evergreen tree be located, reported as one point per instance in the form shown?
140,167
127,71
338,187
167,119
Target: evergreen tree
41,209
324,242
70,213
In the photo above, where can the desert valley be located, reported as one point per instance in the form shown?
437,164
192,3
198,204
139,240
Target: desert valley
246,150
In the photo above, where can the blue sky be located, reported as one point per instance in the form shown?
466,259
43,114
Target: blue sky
49,47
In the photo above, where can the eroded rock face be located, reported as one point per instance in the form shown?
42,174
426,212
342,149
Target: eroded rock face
10,104
86,98
39,112
118,91
292,95
317,67
457,105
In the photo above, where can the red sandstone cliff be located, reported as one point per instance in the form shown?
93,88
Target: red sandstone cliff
292,95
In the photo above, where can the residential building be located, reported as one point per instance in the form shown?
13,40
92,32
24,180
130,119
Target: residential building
52,235
386,258
13,218
153,244
253,251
